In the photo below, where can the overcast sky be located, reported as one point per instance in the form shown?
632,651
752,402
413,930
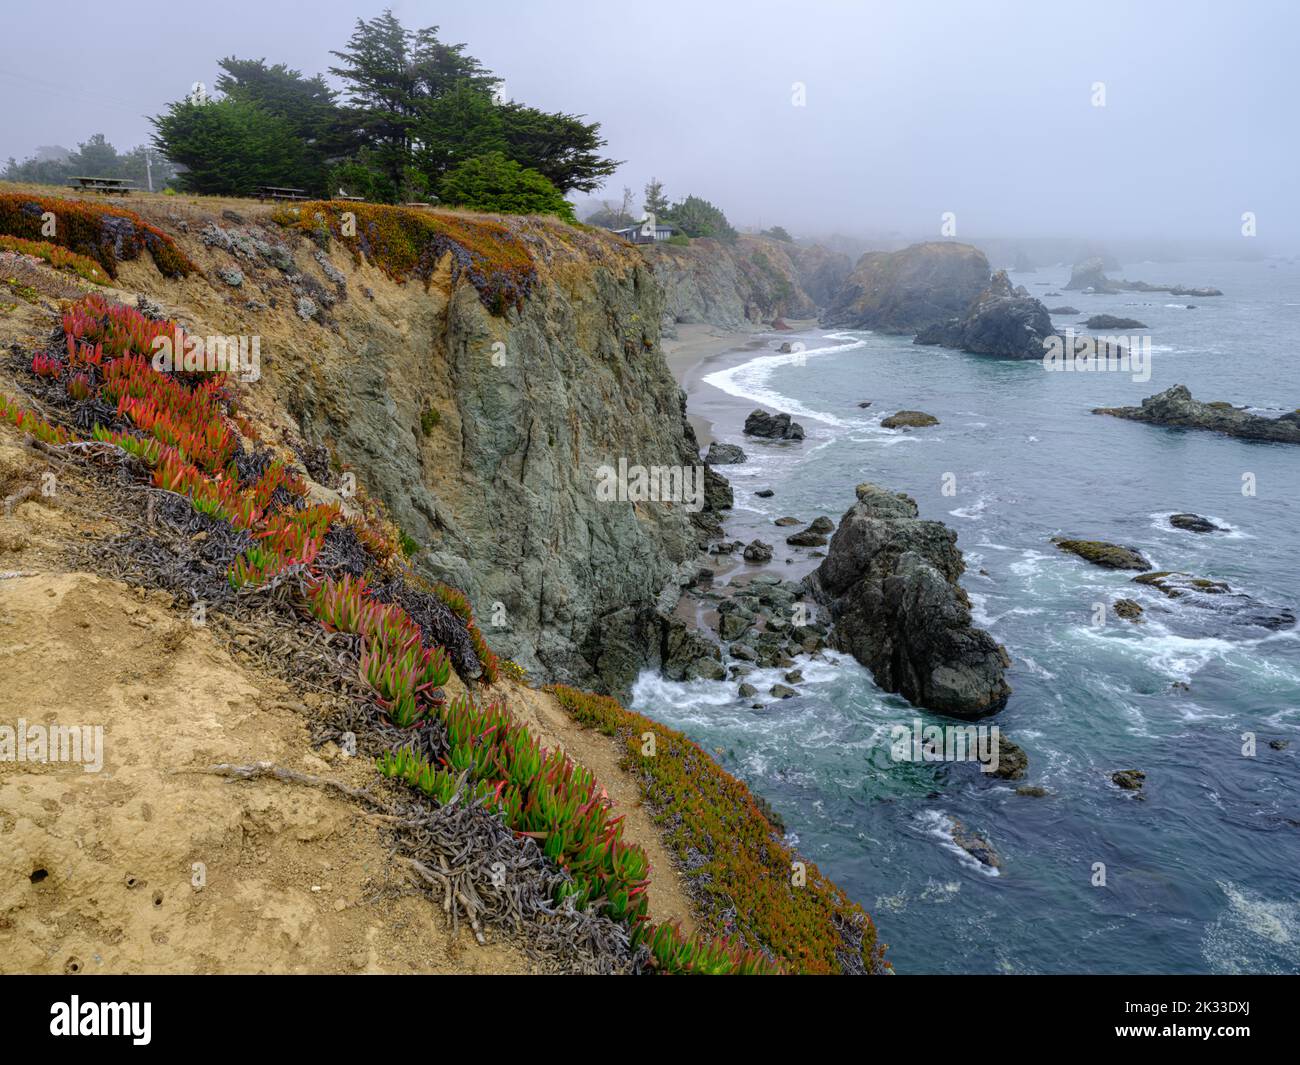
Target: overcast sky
912,108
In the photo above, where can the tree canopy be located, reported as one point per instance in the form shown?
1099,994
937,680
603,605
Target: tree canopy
412,110
494,182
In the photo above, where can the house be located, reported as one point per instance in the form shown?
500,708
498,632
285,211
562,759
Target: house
647,231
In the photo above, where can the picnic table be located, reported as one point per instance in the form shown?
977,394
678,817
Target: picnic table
280,192
103,185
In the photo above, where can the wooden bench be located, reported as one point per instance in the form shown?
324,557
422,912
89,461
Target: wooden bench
103,185
279,192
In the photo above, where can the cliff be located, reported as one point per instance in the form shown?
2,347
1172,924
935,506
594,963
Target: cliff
905,291
478,375
739,284
244,489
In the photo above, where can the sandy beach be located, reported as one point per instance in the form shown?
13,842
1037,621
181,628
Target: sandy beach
698,345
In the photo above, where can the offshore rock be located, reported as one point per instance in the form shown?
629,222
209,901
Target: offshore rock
890,580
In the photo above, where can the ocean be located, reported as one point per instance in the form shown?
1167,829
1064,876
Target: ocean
1202,873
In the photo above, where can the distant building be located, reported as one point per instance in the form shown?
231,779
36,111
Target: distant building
647,231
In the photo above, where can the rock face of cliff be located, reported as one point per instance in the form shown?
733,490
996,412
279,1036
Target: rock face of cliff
905,291
490,437
890,581
508,402
742,283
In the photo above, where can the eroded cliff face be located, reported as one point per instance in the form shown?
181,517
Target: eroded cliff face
905,291
745,282
489,437
486,425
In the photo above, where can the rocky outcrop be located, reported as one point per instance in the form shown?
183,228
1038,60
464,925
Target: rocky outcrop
998,322
485,427
890,581
1089,275
1175,408
908,290
908,419
1100,553
772,426
637,638
1110,321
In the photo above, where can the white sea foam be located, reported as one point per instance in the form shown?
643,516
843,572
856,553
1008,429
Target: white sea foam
1250,926
750,379
939,825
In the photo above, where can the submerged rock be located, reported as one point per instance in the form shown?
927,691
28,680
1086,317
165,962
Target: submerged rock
1128,609
890,580
1101,553
909,419
1176,408
1218,596
1194,523
1063,310
1129,779
975,845
773,426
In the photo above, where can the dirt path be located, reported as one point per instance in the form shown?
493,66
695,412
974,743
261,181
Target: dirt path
600,754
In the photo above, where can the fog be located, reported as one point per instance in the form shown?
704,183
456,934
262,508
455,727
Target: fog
866,118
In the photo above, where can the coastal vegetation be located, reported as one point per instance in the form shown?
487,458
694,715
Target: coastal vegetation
108,235
417,118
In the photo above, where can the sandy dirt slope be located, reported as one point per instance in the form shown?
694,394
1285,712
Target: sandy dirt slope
97,868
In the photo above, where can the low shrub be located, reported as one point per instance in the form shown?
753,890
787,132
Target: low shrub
108,235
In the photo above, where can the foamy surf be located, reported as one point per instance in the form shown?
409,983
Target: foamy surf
749,380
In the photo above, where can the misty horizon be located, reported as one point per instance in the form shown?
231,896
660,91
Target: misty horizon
876,122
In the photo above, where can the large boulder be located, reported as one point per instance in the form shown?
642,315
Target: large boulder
1176,408
903,291
998,322
724,454
773,426
890,581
